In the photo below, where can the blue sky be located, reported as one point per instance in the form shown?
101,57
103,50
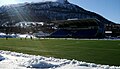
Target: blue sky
109,9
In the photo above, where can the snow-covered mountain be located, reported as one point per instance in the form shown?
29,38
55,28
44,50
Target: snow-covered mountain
45,11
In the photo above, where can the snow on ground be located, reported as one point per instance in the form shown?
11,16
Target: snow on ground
3,35
13,60
1,58
25,36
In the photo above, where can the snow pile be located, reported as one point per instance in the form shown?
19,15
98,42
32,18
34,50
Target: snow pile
1,58
37,63
3,35
25,36
13,60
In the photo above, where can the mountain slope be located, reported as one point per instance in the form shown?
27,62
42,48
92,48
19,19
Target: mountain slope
46,11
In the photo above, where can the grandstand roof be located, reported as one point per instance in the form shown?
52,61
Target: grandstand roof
82,22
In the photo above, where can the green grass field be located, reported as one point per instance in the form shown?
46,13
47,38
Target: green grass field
94,51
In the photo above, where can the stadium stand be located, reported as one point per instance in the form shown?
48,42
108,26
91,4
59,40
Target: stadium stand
85,28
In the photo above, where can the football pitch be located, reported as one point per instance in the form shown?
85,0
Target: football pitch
93,51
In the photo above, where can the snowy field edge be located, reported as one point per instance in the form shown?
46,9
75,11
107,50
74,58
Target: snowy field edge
13,60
